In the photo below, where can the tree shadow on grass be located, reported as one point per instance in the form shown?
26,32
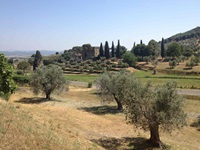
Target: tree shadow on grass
125,143
196,124
187,68
102,110
35,100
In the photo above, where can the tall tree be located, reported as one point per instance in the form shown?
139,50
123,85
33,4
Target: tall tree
154,48
48,79
134,45
162,48
141,42
118,50
107,50
7,84
113,50
101,50
37,60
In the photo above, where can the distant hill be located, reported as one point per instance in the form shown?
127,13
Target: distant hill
26,53
190,38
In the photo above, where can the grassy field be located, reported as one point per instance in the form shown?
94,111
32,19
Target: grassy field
81,77
186,82
183,81
78,120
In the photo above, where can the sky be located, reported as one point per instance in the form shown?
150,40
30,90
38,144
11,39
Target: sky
62,24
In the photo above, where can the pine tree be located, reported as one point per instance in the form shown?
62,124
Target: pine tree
101,50
113,50
162,48
107,52
118,50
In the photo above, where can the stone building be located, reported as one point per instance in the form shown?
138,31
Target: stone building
90,52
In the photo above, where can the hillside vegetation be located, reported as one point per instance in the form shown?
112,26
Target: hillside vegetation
190,38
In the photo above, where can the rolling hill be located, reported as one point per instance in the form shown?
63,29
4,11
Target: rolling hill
190,38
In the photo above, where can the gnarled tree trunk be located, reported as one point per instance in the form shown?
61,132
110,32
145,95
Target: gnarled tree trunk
119,104
48,95
154,136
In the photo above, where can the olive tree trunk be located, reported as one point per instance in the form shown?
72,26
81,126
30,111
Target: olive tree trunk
119,104
154,136
48,95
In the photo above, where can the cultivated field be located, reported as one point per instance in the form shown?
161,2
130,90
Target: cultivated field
78,120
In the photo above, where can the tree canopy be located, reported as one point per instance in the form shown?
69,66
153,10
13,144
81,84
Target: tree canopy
152,109
48,79
130,59
173,50
7,84
111,85
23,65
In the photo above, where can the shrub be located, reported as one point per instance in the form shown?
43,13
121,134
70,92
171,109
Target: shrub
113,59
89,61
114,65
172,64
108,62
91,70
103,58
98,62
21,79
19,72
89,84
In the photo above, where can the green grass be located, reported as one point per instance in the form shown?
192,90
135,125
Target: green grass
186,82
82,77
160,78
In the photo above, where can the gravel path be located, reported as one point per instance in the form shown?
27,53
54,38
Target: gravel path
180,91
189,92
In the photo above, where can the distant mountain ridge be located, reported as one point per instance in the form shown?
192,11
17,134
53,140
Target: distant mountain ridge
21,53
189,38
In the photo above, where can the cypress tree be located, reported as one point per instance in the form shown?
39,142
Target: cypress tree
101,50
118,50
162,48
141,42
134,45
37,60
107,52
113,50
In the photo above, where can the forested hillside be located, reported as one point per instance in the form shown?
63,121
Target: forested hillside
190,38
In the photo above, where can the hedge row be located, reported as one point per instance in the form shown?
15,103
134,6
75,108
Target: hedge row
21,79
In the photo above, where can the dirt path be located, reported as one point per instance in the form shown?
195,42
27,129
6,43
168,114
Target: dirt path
189,92
180,91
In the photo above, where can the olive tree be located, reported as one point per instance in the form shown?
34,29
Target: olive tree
7,84
154,108
23,65
48,79
111,85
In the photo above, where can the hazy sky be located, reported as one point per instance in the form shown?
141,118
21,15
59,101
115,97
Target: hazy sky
62,24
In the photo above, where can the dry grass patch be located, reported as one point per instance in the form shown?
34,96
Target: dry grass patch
77,120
